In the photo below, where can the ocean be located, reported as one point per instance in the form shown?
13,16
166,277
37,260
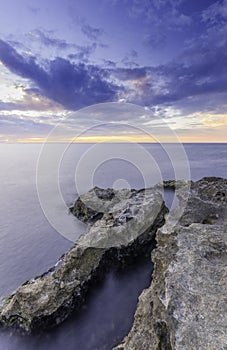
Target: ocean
39,183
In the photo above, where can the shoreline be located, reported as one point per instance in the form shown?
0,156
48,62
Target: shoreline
206,206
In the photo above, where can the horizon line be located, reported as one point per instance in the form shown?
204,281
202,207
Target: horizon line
110,142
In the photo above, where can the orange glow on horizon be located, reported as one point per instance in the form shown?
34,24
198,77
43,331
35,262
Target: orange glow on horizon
197,138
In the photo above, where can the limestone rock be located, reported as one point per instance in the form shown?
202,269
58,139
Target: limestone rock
186,305
207,202
90,207
134,213
125,232
48,299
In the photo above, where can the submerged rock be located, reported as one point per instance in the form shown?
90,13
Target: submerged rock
129,221
186,307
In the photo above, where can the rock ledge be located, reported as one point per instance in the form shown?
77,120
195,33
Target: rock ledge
125,229
186,305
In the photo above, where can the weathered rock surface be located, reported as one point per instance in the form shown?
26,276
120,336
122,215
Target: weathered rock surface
91,206
127,217
207,202
120,235
186,305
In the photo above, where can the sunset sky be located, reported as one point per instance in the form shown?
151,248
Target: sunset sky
168,56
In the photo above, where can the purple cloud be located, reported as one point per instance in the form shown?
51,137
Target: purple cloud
72,85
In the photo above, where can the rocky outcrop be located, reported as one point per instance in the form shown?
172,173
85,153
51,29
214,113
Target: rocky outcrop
90,206
185,306
125,226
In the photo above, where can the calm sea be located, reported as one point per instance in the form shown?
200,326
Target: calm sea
30,241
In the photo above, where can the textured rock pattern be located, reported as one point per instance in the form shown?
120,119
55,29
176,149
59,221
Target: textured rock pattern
185,307
186,304
48,299
133,214
92,205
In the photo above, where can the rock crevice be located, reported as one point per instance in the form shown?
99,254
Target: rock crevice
185,306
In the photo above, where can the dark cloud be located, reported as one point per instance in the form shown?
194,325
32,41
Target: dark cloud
134,54
129,63
72,85
130,74
109,63
50,41
130,59
77,52
83,53
91,33
103,45
200,71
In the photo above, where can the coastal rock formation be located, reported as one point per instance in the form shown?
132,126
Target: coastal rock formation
186,305
206,202
90,206
128,223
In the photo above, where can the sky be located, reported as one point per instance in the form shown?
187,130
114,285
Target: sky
167,56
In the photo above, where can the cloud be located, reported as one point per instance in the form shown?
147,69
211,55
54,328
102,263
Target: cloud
163,14
14,125
160,21
83,53
5,106
49,40
130,59
155,40
216,14
215,120
125,74
109,63
34,10
74,51
92,33
72,85
32,100
200,70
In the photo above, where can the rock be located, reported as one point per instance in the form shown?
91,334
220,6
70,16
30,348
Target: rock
134,213
207,202
180,187
48,299
91,206
173,184
186,305
126,231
